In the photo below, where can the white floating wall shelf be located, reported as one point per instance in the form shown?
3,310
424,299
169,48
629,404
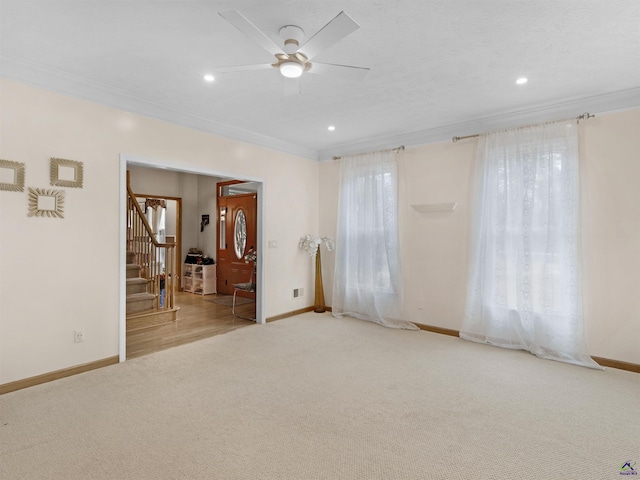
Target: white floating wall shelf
435,207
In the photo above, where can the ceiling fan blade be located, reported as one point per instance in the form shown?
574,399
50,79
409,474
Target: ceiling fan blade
241,68
239,21
300,57
342,71
334,31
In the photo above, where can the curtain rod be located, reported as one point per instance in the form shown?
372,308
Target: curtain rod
584,116
397,149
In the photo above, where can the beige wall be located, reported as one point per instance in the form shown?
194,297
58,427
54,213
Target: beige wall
58,275
610,151
435,244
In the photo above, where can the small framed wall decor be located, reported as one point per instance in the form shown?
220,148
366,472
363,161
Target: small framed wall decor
46,203
66,173
11,176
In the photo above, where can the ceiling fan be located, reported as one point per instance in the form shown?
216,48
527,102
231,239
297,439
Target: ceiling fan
293,59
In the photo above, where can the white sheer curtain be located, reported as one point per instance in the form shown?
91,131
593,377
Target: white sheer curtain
368,280
524,288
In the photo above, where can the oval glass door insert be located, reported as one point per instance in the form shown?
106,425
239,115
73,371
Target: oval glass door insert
240,234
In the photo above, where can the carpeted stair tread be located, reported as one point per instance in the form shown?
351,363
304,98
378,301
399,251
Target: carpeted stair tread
140,302
136,285
133,270
138,297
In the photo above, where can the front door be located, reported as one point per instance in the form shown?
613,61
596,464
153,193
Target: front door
237,234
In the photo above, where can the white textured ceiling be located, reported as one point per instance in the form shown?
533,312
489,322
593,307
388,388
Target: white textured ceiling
437,66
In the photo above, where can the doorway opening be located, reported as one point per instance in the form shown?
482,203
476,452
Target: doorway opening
191,175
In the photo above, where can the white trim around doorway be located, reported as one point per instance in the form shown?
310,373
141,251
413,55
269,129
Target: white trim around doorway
135,160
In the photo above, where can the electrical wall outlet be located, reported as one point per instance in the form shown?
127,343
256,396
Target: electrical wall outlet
298,292
79,336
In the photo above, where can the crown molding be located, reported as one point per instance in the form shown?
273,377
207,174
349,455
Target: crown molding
599,104
38,75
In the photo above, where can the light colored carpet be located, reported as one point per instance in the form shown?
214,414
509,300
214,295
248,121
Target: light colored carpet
314,397
227,300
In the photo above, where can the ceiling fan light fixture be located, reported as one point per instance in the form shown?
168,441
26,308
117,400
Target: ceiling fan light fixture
291,69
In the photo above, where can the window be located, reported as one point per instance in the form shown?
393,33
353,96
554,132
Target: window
524,286
367,281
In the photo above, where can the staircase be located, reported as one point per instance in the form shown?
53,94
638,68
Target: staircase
143,308
138,298
151,272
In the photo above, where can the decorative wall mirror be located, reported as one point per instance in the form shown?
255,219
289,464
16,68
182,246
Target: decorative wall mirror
11,176
66,173
240,234
46,203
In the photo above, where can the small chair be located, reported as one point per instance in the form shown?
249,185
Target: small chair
248,287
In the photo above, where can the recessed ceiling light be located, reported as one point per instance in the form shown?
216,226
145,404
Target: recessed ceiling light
331,128
209,78
521,81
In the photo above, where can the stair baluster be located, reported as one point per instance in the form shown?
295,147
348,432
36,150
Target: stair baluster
143,249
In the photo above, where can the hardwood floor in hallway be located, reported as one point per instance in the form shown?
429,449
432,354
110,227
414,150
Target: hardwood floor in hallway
198,318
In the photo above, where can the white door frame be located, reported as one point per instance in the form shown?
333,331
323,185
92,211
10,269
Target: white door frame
135,160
